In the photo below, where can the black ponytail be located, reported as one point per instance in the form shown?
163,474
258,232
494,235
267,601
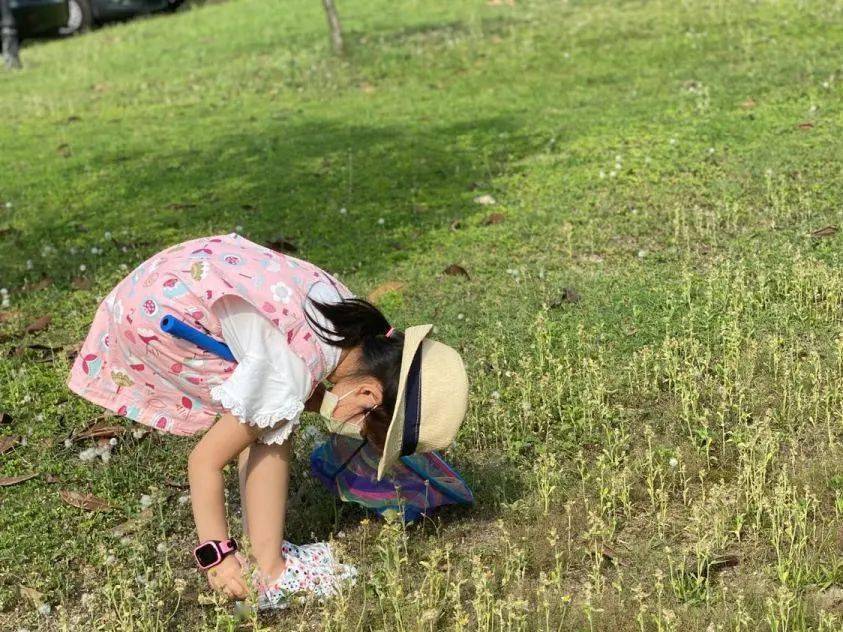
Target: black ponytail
356,322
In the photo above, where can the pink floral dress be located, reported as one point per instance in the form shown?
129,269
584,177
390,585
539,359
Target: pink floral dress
129,366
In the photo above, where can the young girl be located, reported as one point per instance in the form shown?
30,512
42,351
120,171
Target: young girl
290,326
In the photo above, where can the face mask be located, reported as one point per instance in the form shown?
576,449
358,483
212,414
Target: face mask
335,426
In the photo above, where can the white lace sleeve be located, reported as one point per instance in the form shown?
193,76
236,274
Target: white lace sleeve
269,384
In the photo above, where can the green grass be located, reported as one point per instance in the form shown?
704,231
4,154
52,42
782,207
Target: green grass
688,406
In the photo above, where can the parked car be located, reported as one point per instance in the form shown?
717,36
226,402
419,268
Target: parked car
83,14
34,18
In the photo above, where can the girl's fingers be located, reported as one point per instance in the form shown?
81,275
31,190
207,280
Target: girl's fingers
236,588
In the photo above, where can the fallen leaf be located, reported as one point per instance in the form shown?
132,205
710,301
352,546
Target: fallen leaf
180,206
82,283
568,295
98,431
8,442
100,87
695,568
43,284
805,125
51,478
282,244
456,225
494,218
826,231
40,324
388,286
132,524
367,87
456,270
8,481
748,104
32,595
485,200
88,502
64,150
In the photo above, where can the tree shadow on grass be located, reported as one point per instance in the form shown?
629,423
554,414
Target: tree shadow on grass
395,182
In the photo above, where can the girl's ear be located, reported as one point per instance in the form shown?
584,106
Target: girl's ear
372,388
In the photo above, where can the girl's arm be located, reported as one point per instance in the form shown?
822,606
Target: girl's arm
222,443
267,477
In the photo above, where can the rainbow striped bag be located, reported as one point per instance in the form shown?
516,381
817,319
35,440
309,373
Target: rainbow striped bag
416,485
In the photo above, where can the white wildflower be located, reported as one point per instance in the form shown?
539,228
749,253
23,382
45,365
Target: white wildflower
602,174
460,316
161,547
107,234
44,610
184,499
68,443
112,441
381,221
343,211
642,253
673,461
672,141
146,501
496,395
82,267
110,560
88,454
29,264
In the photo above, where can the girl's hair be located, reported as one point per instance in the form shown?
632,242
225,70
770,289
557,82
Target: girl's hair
357,322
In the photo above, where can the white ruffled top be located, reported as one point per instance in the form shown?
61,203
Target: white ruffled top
270,383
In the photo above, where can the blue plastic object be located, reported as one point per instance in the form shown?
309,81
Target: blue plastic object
175,327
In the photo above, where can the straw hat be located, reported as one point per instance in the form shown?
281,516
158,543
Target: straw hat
432,398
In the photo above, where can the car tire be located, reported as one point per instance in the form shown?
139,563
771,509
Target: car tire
79,19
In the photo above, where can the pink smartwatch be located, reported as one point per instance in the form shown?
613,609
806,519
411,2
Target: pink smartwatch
212,552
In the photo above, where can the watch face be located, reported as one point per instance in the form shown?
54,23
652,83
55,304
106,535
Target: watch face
207,554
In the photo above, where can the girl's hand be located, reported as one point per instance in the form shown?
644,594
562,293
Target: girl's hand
227,578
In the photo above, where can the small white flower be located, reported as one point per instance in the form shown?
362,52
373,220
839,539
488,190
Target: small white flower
68,443
125,540
110,560
161,547
24,440
673,461
29,264
123,267
613,173
8,205
73,250
4,291
340,534
496,395
94,250
82,267
343,211
44,610
672,141
146,501
107,234
105,456
5,302
381,221
281,292
826,85
617,157
112,441
602,174
460,316
89,454
184,499
139,433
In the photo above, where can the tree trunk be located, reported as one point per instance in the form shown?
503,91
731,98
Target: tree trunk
334,25
9,35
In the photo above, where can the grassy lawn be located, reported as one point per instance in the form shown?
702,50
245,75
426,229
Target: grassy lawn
651,323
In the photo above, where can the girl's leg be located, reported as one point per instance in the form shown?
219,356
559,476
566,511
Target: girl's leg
266,484
242,463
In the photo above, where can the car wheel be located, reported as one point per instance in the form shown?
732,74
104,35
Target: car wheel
79,17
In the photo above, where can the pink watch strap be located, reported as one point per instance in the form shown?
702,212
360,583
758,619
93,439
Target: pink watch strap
227,546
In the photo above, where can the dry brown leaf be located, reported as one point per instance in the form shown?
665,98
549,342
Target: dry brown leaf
494,218
82,283
826,231
32,595
180,206
7,443
748,104
89,502
39,324
99,431
64,150
805,125
51,478
8,481
388,286
132,524
568,295
456,270
367,87
43,284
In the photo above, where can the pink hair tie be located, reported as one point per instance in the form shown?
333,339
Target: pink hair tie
389,333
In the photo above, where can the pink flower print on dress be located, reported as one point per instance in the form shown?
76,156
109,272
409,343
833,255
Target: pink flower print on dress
91,364
105,341
281,292
163,423
135,364
201,253
129,411
129,335
232,259
188,405
148,336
